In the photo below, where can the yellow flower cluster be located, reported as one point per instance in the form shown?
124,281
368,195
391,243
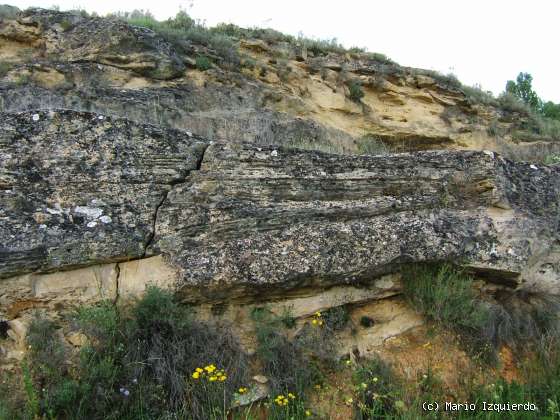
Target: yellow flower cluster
317,319
242,390
210,372
282,400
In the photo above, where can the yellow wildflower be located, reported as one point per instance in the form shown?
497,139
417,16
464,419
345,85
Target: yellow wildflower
281,400
317,313
364,385
212,378
242,390
307,413
314,322
196,375
222,378
292,396
199,370
375,379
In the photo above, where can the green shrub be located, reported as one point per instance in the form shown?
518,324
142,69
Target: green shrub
476,95
66,25
249,63
203,63
336,318
355,91
287,363
138,363
322,46
182,30
23,79
510,103
380,58
552,159
5,67
378,391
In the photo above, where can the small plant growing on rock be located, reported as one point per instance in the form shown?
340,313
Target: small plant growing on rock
355,91
5,68
203,63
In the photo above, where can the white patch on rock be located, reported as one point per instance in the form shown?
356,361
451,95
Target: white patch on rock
90,212
105,219
489,153
100,117
54,211
35,117
189,134
42,226
533,167
274,153
91,224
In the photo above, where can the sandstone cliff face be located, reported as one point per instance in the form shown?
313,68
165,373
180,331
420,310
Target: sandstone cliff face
90,189
245,221
283,96
104,188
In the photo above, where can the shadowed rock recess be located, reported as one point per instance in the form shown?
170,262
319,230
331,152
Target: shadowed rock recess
246,222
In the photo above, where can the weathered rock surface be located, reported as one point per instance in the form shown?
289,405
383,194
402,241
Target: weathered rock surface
259,220
72,37
80,188
276,95
238,221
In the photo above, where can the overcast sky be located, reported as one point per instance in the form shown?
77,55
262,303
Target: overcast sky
483,42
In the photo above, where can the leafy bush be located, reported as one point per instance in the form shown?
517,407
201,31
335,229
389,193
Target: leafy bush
322,46
203,63
355,91
510,103
182,30
552,160
5,67
336,318
138,363
377,390
287,363
477,96
380,58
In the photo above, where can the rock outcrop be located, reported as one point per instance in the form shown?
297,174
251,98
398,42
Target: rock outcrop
71,37
246,222
273,92
82,188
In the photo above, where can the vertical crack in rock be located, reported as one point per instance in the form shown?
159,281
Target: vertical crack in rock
164,197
